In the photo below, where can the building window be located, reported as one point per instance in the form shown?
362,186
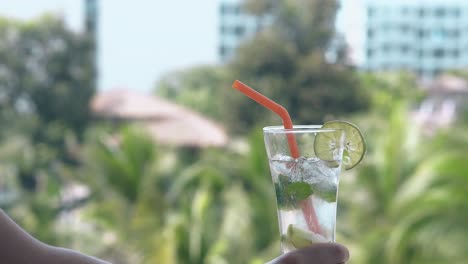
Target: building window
439,53
370,53
370,33
456,12
456,53
239,31
223,50
422,12
370,11
440,12
224,9
421,33
230,9
404,48
236,10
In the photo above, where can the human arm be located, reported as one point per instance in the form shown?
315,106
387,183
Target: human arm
18,247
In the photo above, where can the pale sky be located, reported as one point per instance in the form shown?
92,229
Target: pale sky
351,22
140,40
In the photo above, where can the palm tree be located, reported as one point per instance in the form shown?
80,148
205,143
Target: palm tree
229,207
407,203
168,209
31,177
126,194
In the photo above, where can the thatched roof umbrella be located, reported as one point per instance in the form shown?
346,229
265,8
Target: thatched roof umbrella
167,123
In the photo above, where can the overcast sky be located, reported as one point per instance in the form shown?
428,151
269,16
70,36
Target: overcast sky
140,40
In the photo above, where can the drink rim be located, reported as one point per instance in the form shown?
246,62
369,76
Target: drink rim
299,129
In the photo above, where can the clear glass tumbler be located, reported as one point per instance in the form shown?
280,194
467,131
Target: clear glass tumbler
306,186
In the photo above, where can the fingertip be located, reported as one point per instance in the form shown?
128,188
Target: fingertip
320,253
341,252
327,252
291,258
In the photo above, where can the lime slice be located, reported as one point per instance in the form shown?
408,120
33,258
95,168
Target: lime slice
327,144
300,238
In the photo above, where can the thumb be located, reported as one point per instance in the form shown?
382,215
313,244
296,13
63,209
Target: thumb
322,253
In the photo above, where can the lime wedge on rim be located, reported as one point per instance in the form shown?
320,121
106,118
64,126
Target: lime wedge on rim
326,144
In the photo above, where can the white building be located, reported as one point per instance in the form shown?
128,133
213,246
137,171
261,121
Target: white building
235,26
426,37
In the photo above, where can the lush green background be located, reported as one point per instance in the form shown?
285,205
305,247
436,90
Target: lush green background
150,203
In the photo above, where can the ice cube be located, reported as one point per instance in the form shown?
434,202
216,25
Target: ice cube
281,165
322,178
317,171
281,157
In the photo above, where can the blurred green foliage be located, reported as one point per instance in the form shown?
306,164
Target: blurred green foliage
402,205
297,59
47,70
166,210
46,81
149,203
199,88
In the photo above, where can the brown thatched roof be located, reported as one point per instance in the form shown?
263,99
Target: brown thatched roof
167,122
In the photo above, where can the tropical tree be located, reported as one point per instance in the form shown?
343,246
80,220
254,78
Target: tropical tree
118,167
170,210
30,186
199,88
404,203
296,60
48,70
46,81
242,192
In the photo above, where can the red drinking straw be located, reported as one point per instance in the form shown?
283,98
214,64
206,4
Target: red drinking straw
307,207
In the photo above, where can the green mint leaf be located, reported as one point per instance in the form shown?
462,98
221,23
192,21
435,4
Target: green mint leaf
325,191
289,194
298,190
